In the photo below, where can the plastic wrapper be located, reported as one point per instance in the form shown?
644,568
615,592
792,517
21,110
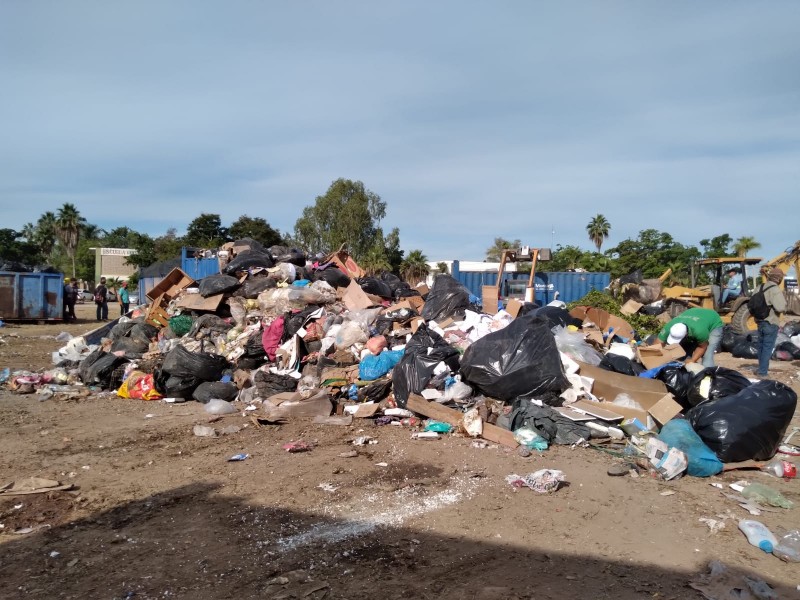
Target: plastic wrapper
423,352
574,345
180,325
678,433
457,391
746,426
376,366
275,301
621,364
519,361
217,284
714,383
285,272
530,438
249,259
376,287
180,362
139,386
447,298
219,407
215,389
350,333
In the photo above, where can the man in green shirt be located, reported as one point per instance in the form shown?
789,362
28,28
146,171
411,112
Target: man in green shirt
697,328
124,299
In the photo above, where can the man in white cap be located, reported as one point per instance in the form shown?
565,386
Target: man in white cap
697,328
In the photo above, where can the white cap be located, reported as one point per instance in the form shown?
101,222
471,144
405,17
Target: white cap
676,333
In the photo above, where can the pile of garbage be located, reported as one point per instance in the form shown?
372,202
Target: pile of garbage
294,339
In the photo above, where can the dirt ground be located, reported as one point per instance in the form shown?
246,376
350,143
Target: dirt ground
160,513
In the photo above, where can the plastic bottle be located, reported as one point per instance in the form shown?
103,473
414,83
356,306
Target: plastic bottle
766,495
788,547
758,535
781,468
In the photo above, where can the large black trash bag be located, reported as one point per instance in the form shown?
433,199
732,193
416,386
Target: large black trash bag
121,329
723,382
293,322
217,284
247,260
268,383
447,298
792,328
376,287
132,347
518,361
208,325
652,309
621,364
395,283
746,426
633,277
284,254
253,287
786,351
424,351
97,368
219,390
251,244
678,381
403,292
143,332
558,317
333,276
202,365
172,386
745,349
375,391
548,423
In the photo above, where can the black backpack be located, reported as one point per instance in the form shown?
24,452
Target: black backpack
758,306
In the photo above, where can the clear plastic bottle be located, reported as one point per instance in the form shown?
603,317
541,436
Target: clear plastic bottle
758,535
780,468
788,547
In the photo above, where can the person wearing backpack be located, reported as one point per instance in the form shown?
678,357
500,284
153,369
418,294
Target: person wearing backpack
767,320
101,300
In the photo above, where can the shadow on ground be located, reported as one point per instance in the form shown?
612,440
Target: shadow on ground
195,542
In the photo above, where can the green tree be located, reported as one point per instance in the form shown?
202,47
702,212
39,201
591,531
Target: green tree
651,252
45,234
206,231
598,229
168,246
495,252
68,229
415,267
441,267
717,247
375,261
348,214
744,244
255,228
393,252
564,258
13,249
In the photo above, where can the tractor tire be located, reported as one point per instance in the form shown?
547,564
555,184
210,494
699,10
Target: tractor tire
742,321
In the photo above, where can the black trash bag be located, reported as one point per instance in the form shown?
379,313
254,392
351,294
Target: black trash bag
333,276
217,284
208,325
621,364
247,260
268,383
171,386
375,391
634,277
209,390
406,293
424,351
202,365
749,425
293,322
121,329
745,349
13,266
548,423
730,339
376,287
518,361
723,383
97,368
254,348
678,381
792,328
558,317
786,351
447,298
652,309
253,287
284,254
143,332
528,308
252,244
133,347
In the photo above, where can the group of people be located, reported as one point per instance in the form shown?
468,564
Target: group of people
699,330
71,293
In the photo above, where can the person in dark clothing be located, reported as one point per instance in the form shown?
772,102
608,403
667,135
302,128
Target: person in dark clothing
101,300
69,301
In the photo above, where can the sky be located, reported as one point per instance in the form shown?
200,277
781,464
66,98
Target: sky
471,120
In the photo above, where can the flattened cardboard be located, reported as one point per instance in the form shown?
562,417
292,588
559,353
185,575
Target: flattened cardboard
596,409
365,411
354,297
631,307
513,307
604,320
665,409
416,302
490,298
655,356
573,415
197,302
415,323
422,289
280,407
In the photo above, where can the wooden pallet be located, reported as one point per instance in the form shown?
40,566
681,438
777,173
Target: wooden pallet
156,315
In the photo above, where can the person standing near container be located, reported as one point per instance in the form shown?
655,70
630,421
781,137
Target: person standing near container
124,299
768,327
101,300
69,301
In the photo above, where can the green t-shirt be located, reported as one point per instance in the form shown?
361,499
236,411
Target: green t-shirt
699,321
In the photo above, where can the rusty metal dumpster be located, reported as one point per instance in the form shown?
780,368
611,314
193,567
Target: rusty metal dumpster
31,296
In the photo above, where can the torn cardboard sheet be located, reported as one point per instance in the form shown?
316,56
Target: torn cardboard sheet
655,356
605,321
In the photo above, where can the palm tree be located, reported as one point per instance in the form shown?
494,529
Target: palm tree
442,268
415,267
598,229
375,261
744,244
494,253
45,234
68,229
29,232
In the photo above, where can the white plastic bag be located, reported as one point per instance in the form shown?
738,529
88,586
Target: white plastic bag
220,407
575,346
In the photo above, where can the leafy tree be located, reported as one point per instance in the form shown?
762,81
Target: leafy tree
717,247
168,245
744,244
393,252
415,267
206,231
45,234
11,248
564,258
347,214
651,252
441,267
255,228
68,229
375,261
495,252
598,229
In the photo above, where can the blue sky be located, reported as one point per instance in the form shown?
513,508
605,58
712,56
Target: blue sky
471,120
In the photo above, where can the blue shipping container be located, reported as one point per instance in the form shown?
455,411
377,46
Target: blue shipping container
198,267
31,296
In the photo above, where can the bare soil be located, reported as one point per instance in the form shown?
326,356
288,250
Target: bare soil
159,513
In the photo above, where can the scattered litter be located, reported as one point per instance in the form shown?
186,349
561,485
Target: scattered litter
348,454
32,485
298,446
425,435
55,554
542,481
238,457
382,464
714,525
364,440
204,431
327,487
722,583
668,493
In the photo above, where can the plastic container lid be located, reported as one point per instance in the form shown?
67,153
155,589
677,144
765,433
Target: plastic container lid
765,545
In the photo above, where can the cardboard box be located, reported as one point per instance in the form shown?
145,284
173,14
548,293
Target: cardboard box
604,320
355,298
631,307
422,289
197,302
651,394
346,263
655,356
513,307
174,283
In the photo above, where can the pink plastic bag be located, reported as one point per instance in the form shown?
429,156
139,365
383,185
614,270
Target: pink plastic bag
271,338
